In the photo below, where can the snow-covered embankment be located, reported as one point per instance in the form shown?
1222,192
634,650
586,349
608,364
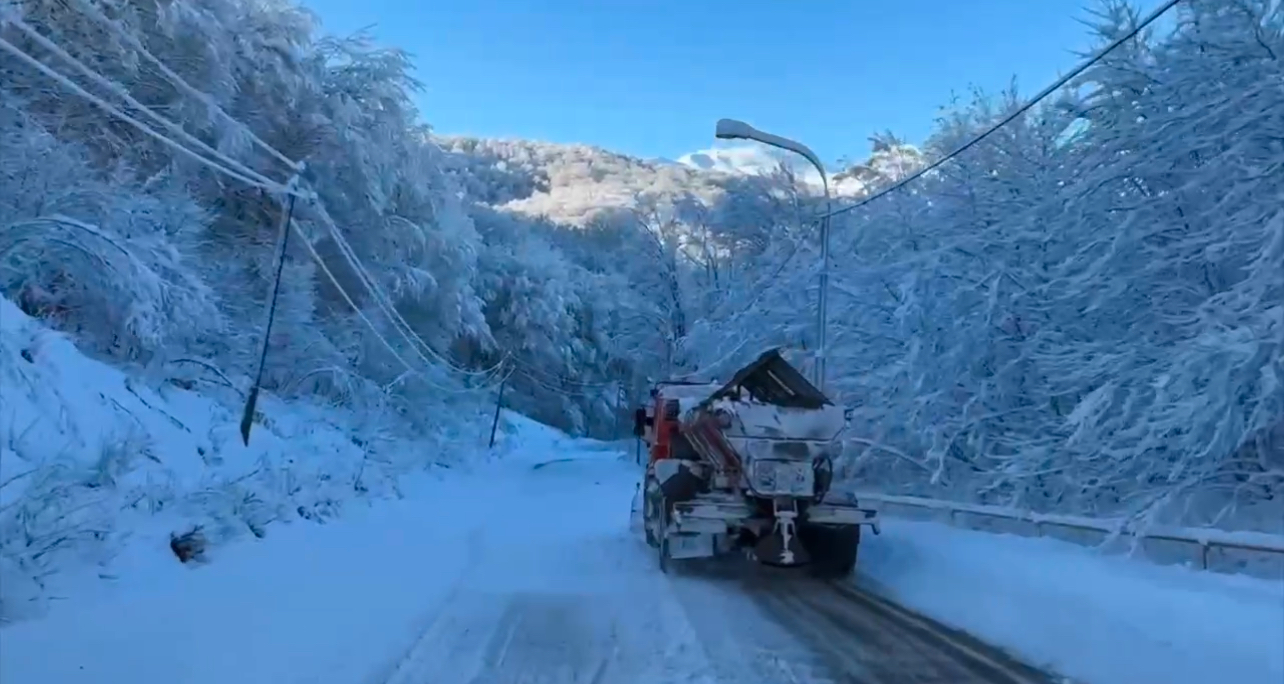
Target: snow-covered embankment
95,463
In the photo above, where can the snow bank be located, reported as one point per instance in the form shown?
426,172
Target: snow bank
521,439
96,471
1256,554
315,603
346,602
1099,619
91,459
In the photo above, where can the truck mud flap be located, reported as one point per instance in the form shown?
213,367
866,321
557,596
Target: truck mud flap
685,525
677,482
684,546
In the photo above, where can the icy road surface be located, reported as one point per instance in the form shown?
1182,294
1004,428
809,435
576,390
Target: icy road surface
567,594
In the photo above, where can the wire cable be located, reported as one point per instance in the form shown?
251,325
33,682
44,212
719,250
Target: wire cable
274,188
385,302
312,251
554,378
182,84
1042,95
157,118
555,390
221,163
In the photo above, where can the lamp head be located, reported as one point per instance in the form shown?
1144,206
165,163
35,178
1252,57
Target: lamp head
730,129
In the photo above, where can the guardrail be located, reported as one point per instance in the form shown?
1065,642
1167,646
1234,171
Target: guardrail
1268,548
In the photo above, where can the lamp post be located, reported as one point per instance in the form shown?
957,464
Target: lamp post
730,129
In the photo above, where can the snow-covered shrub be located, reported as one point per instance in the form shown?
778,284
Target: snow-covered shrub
92,459
96,255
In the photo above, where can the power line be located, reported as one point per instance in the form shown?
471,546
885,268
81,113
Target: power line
175,128
182,84
275,188
581,393
307,244
222,163
1043,94
550,377
385,303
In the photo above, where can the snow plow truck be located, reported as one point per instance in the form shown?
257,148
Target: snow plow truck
745,467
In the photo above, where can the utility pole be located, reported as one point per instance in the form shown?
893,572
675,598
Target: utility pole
621,399
251,403
499,403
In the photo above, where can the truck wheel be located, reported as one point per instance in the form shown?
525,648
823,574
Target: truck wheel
649,514
833,549
663,544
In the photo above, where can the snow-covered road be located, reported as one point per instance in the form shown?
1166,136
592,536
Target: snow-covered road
525,570
559,590
847,634
555,590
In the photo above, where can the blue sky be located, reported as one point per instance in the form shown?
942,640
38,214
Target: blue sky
651,77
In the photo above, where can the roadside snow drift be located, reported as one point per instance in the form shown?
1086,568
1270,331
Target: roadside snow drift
1097,618
524,565
313,603
92,460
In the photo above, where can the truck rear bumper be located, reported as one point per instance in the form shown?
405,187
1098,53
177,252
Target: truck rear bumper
714,516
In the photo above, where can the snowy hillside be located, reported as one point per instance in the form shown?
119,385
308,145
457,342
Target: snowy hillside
570,184
94,460
576,184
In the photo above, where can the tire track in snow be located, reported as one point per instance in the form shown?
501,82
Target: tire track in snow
867,639
559,590
770,626
402,669
574,599
746,640
532,634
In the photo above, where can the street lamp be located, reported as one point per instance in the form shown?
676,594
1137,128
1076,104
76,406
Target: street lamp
730,129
